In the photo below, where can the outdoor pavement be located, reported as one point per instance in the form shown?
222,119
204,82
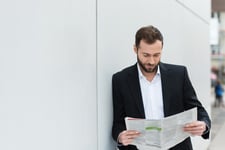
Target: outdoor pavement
218,128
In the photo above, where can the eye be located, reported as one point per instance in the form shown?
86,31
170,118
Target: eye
145,55
156,55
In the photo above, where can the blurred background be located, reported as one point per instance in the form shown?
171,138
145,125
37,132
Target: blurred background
217,39
217,45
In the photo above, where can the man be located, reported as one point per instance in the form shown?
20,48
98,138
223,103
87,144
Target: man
153,90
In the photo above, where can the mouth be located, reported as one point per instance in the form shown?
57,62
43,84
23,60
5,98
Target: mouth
150,66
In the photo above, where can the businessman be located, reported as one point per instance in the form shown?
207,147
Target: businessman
152,89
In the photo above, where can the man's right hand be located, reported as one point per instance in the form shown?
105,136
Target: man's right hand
126,137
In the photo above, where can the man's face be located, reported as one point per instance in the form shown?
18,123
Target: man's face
148,56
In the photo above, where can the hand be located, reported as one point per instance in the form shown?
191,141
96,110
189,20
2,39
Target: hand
127,136
195,128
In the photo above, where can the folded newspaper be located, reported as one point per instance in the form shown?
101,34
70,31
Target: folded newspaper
161,134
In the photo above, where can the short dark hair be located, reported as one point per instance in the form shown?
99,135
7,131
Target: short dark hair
149,34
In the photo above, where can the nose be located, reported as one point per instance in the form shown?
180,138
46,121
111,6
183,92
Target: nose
151,60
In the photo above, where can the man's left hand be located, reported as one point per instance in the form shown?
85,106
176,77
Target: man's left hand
195,128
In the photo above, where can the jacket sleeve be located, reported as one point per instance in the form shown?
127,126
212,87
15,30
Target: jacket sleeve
191,101
118,108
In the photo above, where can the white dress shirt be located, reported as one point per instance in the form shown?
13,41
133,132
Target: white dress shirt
152,95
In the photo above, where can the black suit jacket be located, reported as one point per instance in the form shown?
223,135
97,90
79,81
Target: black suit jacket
178,96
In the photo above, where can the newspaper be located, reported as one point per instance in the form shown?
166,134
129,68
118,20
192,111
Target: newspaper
161,134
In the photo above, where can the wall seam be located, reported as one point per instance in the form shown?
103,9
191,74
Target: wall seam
192,11
97,111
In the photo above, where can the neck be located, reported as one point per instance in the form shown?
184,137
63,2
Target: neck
149,75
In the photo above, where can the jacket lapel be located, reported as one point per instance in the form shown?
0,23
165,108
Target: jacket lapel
134,85
165,88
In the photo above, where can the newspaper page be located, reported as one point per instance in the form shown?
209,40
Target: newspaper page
161,134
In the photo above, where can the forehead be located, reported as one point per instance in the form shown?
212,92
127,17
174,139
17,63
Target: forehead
155,47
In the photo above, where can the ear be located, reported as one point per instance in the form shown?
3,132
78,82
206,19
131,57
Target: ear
135,49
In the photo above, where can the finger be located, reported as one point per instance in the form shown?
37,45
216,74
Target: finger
127,136
135,134
132,135
195,123
194,127
131,132
127,142
195,130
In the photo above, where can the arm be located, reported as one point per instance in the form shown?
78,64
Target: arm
118,109
202,126
119,133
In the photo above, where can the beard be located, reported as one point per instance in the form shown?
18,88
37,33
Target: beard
148,68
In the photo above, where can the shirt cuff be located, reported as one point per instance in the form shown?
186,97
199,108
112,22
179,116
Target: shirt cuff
206,130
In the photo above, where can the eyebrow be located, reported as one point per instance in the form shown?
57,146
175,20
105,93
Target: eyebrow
151,54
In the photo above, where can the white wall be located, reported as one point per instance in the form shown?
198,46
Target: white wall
57,58
48,75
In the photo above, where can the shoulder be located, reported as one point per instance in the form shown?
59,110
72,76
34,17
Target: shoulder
126,71
174,72
173,67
